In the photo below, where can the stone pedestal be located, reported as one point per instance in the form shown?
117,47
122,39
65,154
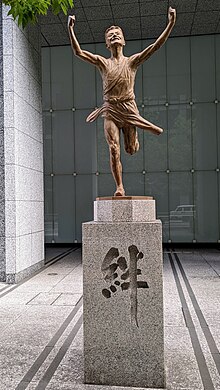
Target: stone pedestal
123,294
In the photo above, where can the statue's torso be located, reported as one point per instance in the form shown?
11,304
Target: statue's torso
118,80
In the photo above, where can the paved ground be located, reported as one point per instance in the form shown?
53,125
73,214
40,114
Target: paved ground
41,324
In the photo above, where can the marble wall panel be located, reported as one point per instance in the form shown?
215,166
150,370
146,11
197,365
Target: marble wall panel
23,257
23,148
37,248
27,119
30,152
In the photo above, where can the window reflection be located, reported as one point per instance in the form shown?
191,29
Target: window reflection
182,216
181,206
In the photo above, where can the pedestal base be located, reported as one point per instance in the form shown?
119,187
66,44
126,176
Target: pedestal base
123,303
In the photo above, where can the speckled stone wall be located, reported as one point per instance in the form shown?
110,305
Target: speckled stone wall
123,300
2,169
23,150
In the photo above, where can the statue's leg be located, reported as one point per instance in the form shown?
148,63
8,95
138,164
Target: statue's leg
146,125
112,135
152,128
130,139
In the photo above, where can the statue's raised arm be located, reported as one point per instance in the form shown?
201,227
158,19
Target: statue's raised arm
139,58
83,54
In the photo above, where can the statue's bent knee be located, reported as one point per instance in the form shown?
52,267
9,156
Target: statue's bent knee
132,149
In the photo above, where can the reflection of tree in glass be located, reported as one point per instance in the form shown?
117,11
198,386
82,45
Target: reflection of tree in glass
125,277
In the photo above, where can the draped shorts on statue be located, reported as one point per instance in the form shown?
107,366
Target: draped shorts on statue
123,114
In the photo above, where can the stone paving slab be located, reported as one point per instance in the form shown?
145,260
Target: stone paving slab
15,298
44,299
67,299
27,329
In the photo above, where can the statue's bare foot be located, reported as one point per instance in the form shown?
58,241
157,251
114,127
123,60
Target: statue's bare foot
120,191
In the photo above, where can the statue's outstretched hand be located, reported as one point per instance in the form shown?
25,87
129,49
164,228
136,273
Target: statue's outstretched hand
172,15
71,20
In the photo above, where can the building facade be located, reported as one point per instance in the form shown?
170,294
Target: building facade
178,89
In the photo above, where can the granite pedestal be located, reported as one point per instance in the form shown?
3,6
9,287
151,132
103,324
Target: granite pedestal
123,294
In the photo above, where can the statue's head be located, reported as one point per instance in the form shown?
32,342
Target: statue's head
114,36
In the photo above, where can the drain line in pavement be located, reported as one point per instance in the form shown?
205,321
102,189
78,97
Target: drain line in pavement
24,383
203,369
58,257
4,288
60,355
207,333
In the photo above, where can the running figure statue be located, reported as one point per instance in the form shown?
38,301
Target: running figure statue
119,108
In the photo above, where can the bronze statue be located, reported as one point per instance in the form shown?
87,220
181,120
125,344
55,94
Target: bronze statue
119,108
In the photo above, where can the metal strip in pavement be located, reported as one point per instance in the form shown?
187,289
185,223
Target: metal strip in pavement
63,253
203,369
4,288
205,328
37,272
60,355
23,384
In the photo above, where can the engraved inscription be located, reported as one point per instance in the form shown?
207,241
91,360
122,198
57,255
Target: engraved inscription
118,274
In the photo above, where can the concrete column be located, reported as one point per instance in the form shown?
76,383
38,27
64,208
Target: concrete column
23,230
123,295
